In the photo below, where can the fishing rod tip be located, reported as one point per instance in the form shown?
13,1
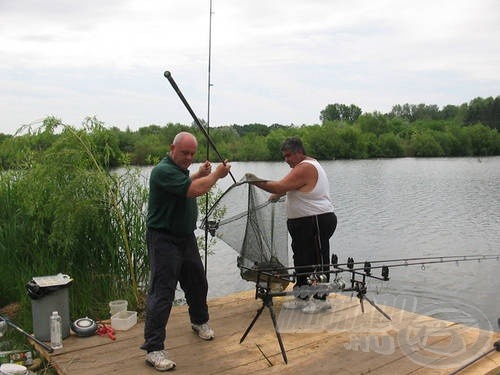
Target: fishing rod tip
167,74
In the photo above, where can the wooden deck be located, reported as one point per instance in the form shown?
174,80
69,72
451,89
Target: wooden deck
341,341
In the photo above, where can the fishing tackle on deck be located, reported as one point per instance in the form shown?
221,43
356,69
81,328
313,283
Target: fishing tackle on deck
245,219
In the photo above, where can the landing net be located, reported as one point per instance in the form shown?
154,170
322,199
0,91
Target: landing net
245,219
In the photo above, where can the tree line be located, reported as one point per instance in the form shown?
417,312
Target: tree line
344,132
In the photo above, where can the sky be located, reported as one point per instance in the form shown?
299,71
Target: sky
249,61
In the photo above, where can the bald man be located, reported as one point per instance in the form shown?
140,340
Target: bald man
172,246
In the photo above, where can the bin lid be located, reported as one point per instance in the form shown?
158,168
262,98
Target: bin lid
42,285
53,280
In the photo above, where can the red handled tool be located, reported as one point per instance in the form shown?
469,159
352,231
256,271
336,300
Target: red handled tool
106,330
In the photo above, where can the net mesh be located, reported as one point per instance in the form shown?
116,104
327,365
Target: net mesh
245,219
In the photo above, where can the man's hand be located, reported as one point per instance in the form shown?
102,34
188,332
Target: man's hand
223,169
275,197
205,169
251,177
202,183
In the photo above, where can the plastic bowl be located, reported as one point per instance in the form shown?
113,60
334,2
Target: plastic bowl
124,320
117,306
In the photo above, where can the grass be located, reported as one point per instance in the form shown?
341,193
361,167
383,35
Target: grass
65,211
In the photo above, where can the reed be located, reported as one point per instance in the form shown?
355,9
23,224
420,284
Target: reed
64,210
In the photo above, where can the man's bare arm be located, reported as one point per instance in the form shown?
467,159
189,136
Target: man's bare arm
202,185
299,178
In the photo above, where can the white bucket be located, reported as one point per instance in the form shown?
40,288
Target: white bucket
12,369
117,306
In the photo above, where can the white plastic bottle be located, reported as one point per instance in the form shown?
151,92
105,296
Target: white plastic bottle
55,331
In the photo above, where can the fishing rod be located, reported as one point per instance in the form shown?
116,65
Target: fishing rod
349,266
19,329
496,347
209,86
268,279
432,259
208,126
168,75
318,281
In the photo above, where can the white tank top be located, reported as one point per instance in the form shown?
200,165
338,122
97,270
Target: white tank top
315,202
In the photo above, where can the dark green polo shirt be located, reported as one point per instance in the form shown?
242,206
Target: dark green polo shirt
168,207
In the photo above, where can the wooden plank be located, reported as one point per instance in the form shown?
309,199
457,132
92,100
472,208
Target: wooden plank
319,343
319,351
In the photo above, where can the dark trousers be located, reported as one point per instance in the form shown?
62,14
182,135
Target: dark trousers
311,243
172,259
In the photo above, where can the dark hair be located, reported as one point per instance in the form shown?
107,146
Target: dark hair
293,144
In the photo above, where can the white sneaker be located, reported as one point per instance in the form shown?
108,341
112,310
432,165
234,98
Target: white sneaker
296,303
204,331
316,306
159,360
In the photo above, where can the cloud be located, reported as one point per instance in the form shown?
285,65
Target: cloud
271,62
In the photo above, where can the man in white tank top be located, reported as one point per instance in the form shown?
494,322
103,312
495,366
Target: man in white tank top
311,219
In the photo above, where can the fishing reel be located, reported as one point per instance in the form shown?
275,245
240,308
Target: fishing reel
317,278
339,283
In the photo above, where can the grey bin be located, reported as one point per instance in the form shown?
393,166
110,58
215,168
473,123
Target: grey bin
48,294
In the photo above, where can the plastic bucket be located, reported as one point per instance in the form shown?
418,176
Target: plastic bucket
12,369
117,306
48,294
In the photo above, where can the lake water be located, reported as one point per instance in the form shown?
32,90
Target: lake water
405,208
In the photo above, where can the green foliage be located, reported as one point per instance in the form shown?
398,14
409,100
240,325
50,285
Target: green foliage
482,140
424,144
374,123
320,142
485,111
413,112
4,137
273,144
16,152
148,149
349,144
390,146
470,129
68,213
13,233
256,129
340,112
253,148
205,202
